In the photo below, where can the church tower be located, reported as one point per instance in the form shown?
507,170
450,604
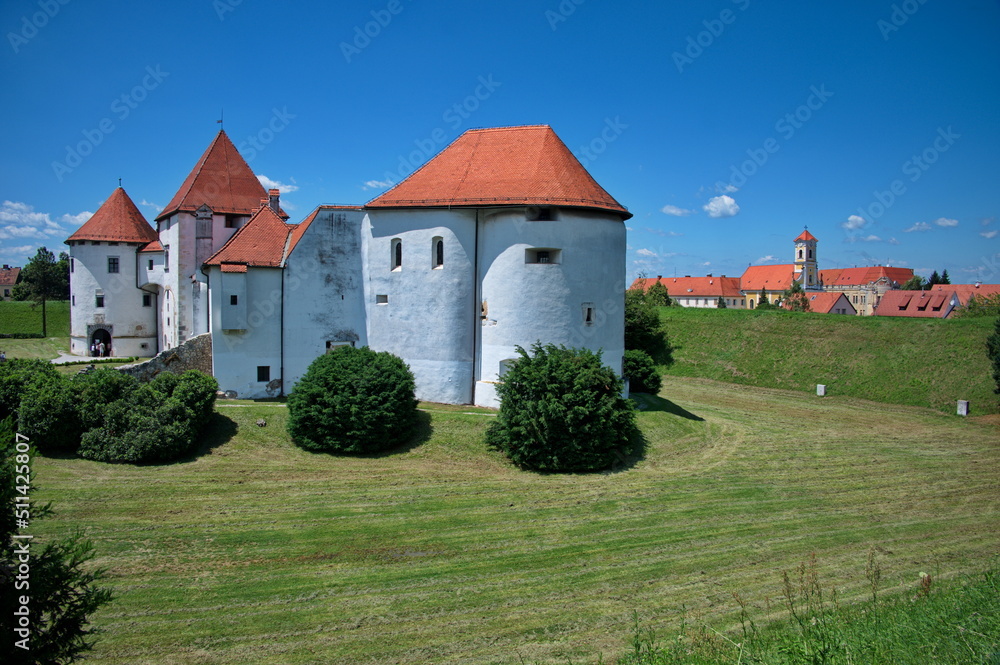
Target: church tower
805,261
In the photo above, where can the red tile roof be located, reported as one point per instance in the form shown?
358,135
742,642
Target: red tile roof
862,276
966,291
234,267
9,276
919,304
771,278
261,242
805,235
222,180
501,166
117,220
695,287
154,246
824,303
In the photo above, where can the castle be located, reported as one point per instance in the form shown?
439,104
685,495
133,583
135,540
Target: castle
501,240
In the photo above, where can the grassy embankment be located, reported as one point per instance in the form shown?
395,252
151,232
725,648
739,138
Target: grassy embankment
441,552
920,362
25,317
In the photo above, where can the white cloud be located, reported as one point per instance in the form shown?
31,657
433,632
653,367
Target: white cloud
944,221
726,188
766,259
721,206
675,211
646,252
376,184
892,241
919,226
274,184
150,204
707,263
854,222
19,220
989,234
872,238
986,221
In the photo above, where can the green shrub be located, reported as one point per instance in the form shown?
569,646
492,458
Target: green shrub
141,428
641,372
96,390
353,401
643,329
15,374
196,391
561,410
48,414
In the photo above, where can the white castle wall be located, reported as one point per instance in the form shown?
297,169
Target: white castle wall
324,295
130,324
429,314
529,302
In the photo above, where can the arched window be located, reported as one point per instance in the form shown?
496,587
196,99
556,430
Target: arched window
397,254
800,253
438,244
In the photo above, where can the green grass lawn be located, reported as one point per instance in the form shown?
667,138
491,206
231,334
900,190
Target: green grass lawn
920,362
441,552
26,317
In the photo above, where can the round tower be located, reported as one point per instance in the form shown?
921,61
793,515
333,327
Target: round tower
109,314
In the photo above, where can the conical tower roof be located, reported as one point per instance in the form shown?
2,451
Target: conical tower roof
527,165
117,220
222,180
805,236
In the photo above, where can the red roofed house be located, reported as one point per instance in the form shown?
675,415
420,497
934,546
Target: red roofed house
864,286
501,240
920,304
966,292
773,280
705,291
9,276
830,303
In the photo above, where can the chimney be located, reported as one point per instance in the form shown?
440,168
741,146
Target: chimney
659,277
272,200
708,275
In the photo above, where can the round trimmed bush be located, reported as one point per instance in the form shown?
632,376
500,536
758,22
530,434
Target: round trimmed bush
353,401
642,374
99,388
48,414
143,427
561,410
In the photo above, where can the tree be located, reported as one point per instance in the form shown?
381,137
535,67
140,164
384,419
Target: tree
795,299
944,277
353,401
561,410
641,372
61,594
43,279
763,302
721,303
915,283
993,353
935,279
658,295
643,328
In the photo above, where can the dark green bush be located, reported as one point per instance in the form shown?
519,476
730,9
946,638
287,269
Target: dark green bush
641,372
561,410
197,392
96,390
353,401
48,414
15,374
144,427
643,329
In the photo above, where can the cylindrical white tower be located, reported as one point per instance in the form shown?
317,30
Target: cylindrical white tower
109,314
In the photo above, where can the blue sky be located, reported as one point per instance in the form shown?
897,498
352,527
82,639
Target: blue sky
724,126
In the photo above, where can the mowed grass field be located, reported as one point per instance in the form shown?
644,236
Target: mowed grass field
21,317
921,362
441,552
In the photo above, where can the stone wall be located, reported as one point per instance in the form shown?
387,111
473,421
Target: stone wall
196,353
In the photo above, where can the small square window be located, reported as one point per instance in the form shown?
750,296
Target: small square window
100,301
263,372
382,299
147,300
234,300
150,265
112,264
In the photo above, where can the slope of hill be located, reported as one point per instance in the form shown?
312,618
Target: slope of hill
26,317
920,362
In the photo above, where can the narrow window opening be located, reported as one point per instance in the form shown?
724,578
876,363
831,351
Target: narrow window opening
100,301
231,221
536,255
438,244
234,300
263,372
397,254
150,265
147,300
72,264
73,298
588,314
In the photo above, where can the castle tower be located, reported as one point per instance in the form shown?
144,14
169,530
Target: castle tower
106,304
805,261
218,197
